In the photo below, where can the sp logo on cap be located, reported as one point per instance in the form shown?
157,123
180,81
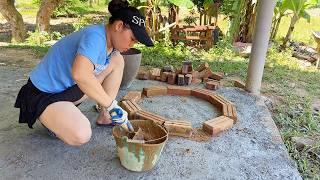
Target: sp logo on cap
138,21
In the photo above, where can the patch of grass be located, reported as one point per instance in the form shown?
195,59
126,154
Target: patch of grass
302,31
39,51
27,7
294,115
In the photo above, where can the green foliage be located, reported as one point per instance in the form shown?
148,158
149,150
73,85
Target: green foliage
222,57
82,22
234,9
72,8
36,2
299,7
191,18
40,37
182,3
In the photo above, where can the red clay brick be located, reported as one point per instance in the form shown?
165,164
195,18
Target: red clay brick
133,96
178,91
216,102
179,128
222,99
164,76
131,107
234,114
185,69
189,64
172,78
155,91
217,125
181,80
150,116
203,66
158,78
199,93
216,76
168,68
211,97
196,81
212,85
195,74
239,84
154,73
205,73
188,79
205,80
143,75
230,111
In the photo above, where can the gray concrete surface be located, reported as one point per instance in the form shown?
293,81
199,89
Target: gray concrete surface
252,149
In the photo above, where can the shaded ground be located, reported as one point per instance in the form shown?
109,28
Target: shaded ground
252,149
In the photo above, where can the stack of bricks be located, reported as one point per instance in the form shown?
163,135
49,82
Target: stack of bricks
182,128
184,76
239,84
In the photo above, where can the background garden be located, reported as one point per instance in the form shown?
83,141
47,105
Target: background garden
291,80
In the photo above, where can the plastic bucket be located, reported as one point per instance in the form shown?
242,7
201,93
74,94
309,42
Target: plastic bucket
140,156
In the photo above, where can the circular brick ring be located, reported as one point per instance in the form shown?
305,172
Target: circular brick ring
181,128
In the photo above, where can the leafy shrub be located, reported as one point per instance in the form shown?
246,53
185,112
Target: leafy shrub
40,37
82,22
191,18
70,8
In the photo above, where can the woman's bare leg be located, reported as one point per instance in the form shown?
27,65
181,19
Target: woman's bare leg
110,79
67,122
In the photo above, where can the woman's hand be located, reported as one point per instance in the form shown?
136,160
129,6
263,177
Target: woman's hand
119,116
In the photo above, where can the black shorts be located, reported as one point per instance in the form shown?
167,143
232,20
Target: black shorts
32,102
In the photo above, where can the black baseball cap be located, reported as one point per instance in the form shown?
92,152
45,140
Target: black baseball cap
137,23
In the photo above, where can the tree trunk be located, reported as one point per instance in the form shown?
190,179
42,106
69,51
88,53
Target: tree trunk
252,23
173,14
44,14
246,29
273,26
10,13
148,15
276,28
294,20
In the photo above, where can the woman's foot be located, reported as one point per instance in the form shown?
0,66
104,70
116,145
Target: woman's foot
104,117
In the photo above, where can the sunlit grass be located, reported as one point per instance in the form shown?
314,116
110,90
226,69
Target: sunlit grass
302,31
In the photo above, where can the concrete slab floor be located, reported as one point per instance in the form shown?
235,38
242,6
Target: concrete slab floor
252,149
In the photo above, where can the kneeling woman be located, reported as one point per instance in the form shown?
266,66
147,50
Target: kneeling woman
86,63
